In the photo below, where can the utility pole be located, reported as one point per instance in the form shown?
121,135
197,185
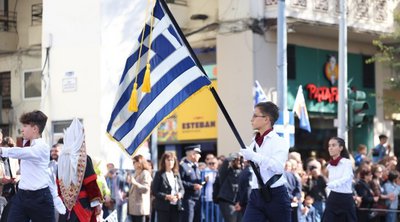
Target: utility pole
342,105
282,59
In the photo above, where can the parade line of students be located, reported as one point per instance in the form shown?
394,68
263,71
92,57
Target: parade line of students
262,182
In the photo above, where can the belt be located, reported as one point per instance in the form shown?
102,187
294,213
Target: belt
33,191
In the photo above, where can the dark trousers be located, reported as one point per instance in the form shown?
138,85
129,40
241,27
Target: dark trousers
276,210
228,211
36,206
192,212
340,207
139,218
168,216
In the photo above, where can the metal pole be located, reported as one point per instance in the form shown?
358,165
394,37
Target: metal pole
342,105
282,60
282,66
154,149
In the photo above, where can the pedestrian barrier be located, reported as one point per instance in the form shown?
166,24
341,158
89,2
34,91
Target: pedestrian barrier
209,210
379,210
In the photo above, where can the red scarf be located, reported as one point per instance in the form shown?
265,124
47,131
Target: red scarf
259,139
335,162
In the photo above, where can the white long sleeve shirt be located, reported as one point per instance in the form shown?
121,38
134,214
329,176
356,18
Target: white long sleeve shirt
34,164
341,177
274,153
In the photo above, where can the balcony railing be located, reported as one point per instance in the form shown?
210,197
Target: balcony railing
8,21
369,15
37,10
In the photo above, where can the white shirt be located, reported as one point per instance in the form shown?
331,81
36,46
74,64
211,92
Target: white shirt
341,177
34,164
211,174
274,152
172,183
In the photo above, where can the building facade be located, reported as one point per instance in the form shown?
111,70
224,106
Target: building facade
56,57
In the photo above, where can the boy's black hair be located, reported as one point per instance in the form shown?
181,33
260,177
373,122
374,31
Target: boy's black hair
269,109
34,118
382,136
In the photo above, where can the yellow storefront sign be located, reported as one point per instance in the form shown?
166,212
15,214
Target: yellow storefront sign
195,119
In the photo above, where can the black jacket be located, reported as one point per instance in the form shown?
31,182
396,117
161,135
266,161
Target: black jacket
228,179
161,187
364,191
244,187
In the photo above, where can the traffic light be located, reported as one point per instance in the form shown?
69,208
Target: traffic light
357,105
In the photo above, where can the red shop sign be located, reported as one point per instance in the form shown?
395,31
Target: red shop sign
322,93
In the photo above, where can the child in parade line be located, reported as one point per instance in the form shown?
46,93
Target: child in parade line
340,205
34,200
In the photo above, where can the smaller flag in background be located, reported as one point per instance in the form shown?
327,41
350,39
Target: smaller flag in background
284,126
259,94
300,109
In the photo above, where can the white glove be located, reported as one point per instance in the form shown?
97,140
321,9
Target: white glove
249,154
59,205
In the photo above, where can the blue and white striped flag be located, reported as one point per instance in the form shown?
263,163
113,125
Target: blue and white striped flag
300,109
174,77
258,93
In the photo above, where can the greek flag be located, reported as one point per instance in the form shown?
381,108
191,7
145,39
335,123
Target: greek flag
174,77
300,109
258,93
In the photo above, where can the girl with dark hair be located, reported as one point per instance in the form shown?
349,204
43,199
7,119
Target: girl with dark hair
139,193
167,189
340,205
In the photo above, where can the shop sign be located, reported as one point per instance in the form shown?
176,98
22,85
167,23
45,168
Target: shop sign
323,93
195,119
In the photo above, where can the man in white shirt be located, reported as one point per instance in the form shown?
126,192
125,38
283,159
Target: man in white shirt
269,153
33,200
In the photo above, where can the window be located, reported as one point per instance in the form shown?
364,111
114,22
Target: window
36,12
5,90
291,62
32,84
58,128
368,70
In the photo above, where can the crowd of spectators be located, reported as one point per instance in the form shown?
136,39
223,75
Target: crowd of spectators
224,186
218,188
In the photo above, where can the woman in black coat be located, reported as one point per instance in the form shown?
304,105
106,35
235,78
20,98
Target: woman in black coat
167,189
364,191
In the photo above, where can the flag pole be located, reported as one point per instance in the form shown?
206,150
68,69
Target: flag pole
212,89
